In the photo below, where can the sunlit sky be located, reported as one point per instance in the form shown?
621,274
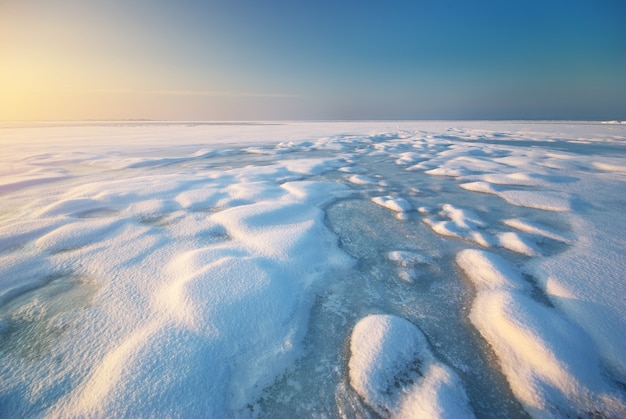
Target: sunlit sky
323,59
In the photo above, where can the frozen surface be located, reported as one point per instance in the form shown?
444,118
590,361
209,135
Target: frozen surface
550,363
427,269
392,368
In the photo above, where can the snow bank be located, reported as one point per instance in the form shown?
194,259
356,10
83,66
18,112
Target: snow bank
518,243
392,368
463,224
396,204
536,229
361,180
548,201
551,364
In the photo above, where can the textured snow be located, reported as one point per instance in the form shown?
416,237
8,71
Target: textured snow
393,203
224,270
361,180
550,363
393,369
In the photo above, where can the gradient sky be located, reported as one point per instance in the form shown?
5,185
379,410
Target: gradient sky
324,59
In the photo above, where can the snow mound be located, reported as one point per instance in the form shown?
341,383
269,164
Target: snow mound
552,366
312,166
517,243
392,368
410,157
462,224
199,199
393,203
490,272
610,167
69,206
532,227
361,180
76,235
482,187
519,179
464,219
273,229
544,200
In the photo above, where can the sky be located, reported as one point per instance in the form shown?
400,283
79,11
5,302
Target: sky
312,60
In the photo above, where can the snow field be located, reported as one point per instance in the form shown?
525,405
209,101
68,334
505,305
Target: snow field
141,276
243,296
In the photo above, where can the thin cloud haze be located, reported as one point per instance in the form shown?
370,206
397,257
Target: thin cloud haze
328,60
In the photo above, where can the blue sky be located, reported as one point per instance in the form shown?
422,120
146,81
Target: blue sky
241,59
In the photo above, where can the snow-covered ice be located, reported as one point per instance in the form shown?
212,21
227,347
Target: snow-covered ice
393,369
344,269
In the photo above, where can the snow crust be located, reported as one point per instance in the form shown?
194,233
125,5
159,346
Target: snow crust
550,363
185,270
396,204
393,369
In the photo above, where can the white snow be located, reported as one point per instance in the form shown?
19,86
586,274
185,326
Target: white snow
217,270
392,368
550,363
462,223
517,243
396,204
534,228
549,201
361,180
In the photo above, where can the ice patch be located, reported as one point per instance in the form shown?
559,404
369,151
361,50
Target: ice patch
407,261
392,368
406,258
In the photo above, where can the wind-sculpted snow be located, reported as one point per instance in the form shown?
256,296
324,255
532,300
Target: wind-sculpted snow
550,363
225,270
393,369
